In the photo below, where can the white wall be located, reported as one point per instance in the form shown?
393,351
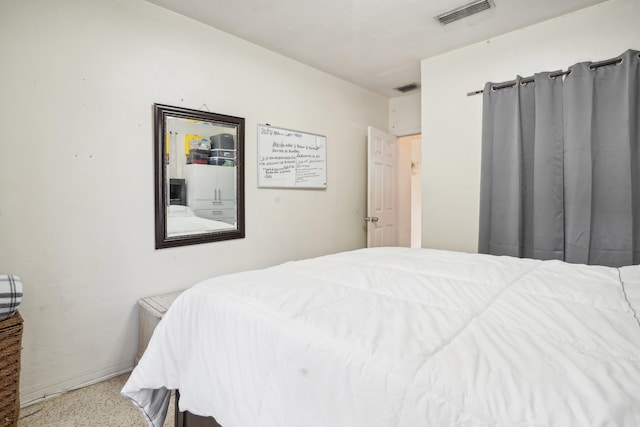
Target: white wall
404,114
452,122
78,79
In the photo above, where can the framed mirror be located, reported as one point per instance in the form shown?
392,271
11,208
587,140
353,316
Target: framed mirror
199,176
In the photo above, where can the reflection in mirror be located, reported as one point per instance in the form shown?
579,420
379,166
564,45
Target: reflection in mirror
199,176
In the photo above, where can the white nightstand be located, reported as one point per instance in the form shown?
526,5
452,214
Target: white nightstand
151,311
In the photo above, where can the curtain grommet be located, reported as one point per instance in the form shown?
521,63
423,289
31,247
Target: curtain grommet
593,67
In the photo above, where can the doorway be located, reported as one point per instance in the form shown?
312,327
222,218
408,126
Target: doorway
394,190
409,194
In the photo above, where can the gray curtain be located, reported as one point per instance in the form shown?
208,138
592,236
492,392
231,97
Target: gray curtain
560,165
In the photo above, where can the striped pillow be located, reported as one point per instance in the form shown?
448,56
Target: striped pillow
10,295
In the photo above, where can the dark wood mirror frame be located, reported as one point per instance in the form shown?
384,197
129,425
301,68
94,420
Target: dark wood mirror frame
161,112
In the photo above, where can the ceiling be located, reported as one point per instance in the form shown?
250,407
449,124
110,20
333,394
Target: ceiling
377,44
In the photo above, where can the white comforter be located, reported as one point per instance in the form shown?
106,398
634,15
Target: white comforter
183,221
401,337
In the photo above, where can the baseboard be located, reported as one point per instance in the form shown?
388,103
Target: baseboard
41,393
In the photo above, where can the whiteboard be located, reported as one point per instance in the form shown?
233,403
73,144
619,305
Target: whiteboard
291,159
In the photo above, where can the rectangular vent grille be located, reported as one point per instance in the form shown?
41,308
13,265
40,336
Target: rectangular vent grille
407,88
463,11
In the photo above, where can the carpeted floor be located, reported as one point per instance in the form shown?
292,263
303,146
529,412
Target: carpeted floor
97,405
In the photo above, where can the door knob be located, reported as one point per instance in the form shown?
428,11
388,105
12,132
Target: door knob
371,219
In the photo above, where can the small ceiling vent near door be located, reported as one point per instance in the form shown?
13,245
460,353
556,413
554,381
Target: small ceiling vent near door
463,11
408,88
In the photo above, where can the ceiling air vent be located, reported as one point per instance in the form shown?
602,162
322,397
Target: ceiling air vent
463,11
408,88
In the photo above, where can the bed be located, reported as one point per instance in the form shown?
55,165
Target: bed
182,221
401,337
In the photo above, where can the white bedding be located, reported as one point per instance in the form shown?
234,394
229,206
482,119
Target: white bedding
182,221
401,337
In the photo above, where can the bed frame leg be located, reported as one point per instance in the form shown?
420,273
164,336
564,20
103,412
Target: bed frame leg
186,419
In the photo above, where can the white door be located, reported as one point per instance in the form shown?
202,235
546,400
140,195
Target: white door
381,189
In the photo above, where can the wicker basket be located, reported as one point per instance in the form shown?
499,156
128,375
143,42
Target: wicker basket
10,350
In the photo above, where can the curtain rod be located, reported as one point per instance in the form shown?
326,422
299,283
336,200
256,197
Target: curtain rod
526,80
